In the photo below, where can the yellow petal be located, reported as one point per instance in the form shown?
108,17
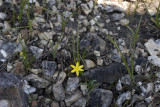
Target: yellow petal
72,66
73,71
77,72
80,70
80,66
77,64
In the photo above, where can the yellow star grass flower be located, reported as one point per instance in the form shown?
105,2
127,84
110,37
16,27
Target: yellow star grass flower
77,68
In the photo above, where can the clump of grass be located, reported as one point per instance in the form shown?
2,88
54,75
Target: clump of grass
156,20
27,62
135,38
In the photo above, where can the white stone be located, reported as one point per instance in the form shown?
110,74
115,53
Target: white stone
99,61
3,15
97,53
119,85
124,22
154,51
5,103
89,64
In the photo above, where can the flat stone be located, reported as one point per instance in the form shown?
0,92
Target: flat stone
100,97
73,98
11,91
58,92
37,81
49,68
72,85
107,74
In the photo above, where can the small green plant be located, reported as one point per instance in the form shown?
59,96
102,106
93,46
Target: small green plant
26,60
135,37
156,21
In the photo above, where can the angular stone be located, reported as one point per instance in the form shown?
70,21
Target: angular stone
117,16
72,85
37,81
11,91
72,98
37,52
107,74
8,49
49,68
100,98
58,92
154,50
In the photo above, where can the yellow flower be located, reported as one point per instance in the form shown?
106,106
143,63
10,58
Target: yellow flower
21,53
77,68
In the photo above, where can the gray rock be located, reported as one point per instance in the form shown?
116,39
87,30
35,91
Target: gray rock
37,52
100,98
119,86
123,97
157,86
148,88
51,3
117,16
40,20
11,91
80,103
72,85
107,74
3,15
61,77
85,9
37,81
126,80
141,104
49,68
73,98
1,2
28,89
58,92
55,104
96,43
8,49
154,51
84,89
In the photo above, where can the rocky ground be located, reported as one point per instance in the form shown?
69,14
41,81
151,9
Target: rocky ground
33,74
